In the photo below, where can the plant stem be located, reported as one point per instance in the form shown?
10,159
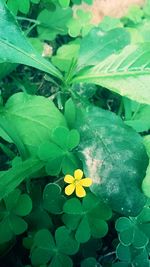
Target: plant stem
30,20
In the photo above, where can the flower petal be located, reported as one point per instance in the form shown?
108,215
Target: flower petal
69,189
80,192
86,182
69,179
78,174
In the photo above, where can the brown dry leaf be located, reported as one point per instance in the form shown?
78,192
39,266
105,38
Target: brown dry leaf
113,8
47,50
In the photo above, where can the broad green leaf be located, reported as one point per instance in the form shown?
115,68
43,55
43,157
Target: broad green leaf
32,118
146,181
102,45
110,23
114,158
10,179
53,22
15,48
126,73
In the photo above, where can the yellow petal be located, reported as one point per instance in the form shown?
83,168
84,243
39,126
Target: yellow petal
86,182
78,174
80,192
69,179
69,189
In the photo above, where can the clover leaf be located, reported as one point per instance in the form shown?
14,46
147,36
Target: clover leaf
130,233
55,251
57,153
53,22
38,218
12,208
130,256
81,24
53,201
90,262
87,218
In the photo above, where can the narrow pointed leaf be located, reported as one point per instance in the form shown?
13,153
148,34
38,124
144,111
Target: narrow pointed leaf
15,48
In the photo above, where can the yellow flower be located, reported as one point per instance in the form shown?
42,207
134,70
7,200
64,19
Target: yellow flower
76,183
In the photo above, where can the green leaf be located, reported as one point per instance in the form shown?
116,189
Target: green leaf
65,242
80,23
57,153
73,206
66,54
61,260
83,232
24,6
70,112
45,249
32,118
135,14
10,179
102,45
14,206
15,48
123,253
131,233
24,205
110,23
121,264
5,231
49,151
17,225
141,119
146,181
64,3
89,262
53,201
122,73
114,158
88,218
53,23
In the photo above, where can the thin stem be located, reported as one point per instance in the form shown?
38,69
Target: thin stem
31,28
28,19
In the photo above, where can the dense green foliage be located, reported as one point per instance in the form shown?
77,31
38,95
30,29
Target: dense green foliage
74,96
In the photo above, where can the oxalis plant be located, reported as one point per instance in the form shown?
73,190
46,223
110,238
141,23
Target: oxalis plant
75,178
